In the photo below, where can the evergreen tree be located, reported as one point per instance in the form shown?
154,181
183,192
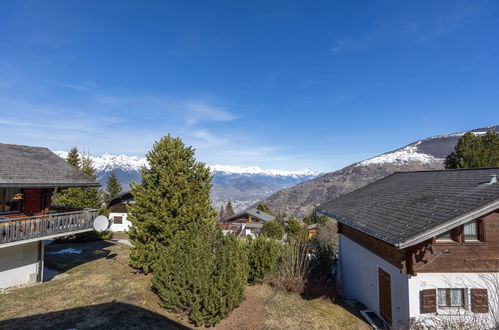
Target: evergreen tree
273,229
201,273
315,217
174,192
221,213
264,208
113,186
296,230
262,257
84,197
229,210
74,157
87,165
472,151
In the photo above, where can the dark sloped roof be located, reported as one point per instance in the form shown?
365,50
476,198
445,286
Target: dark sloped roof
255,213
409,206
37,167
120,199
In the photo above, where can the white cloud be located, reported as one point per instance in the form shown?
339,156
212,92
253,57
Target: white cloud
206,136
199,112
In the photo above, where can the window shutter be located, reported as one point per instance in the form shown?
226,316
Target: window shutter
479,301
428,301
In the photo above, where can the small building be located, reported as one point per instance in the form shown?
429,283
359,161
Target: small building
28,178
252,220
422,246
312,229
119,213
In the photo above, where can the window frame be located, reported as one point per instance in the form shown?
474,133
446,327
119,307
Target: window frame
448,299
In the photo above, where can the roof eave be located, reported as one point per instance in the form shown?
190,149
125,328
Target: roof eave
49,185
462,219
359,228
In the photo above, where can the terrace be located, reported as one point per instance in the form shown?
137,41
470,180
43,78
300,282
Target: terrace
18,228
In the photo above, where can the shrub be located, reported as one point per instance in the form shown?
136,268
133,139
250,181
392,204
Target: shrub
201,274
273,230
262,257
292,267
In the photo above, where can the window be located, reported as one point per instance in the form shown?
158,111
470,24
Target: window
7,201
470,231
445,237
450,298
118,220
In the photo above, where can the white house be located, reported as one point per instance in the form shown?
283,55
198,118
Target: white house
28,178
119,213
422,247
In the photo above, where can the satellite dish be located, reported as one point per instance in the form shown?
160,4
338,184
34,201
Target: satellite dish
101,223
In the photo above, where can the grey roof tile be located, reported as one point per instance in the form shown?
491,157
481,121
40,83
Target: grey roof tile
37,167
406,204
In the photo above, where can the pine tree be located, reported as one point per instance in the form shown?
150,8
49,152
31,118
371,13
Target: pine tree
113,186
229,210
73,157
472,151
174,192
221,213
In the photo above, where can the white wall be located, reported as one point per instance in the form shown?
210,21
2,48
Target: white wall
358,271
19,264
124,226
489,281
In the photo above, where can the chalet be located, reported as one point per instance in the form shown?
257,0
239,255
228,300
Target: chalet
422,246
252,220
28,178
119,213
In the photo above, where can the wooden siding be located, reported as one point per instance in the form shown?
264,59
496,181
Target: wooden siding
462,257
376,246
435,257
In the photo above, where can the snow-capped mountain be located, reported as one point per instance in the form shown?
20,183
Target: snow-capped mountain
425,154
243,186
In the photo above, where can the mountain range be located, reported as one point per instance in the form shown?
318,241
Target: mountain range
243,186
425,154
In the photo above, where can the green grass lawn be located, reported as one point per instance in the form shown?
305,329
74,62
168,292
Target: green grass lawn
103,292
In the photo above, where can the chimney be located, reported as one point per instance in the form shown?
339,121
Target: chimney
493,179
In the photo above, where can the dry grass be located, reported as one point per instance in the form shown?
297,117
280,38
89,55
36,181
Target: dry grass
291,311
103,292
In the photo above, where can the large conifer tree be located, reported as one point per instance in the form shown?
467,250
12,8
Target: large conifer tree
113,186
174,192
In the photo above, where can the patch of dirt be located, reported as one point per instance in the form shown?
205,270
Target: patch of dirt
250,314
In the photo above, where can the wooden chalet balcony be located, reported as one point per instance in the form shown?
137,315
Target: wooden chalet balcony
20,229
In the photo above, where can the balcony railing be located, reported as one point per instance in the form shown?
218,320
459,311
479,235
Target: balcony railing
53,225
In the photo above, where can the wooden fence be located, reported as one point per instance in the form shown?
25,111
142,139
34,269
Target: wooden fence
12,230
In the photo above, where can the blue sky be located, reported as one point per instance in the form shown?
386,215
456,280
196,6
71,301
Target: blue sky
276,84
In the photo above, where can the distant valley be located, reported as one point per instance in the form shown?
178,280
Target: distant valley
243,186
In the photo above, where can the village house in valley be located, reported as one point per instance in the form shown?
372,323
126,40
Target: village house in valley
422,246
249,222
28,178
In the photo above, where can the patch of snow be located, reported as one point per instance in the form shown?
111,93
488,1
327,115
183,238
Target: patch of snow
67,251
257,170
108,162
399,157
